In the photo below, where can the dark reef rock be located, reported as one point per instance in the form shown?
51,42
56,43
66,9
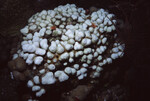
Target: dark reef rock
77,94
17,64
135,17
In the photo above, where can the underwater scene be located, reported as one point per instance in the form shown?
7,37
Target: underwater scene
74,50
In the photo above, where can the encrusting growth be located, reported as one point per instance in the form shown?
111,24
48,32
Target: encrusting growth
81,44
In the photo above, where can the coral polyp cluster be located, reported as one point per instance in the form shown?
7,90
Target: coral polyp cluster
68,43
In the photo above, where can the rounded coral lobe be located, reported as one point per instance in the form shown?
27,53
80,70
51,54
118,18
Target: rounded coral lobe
67,43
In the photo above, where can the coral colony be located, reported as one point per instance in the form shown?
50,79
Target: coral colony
67,42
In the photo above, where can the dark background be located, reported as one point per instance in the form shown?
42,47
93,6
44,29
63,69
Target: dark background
134,29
